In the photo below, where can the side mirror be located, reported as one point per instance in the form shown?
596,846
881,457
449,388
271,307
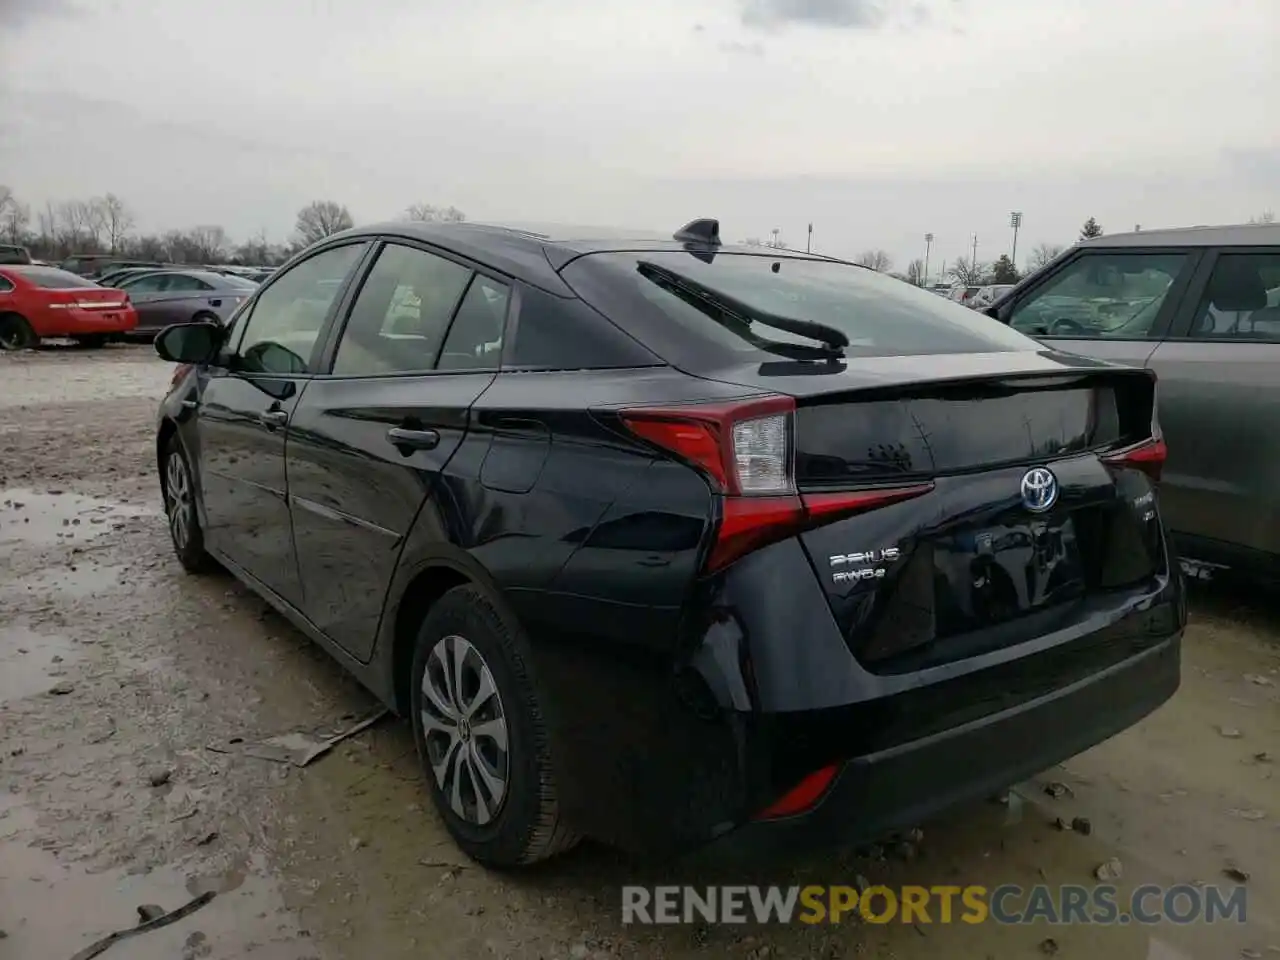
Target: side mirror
190,342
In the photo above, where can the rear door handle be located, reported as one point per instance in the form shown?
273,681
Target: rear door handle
413,439
273,418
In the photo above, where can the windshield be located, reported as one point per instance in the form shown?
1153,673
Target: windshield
881,316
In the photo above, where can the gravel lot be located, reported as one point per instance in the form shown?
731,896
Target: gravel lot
117,671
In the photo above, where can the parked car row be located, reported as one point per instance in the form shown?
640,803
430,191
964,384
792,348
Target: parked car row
38,302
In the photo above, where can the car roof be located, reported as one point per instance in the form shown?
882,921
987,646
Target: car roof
1230,235
535,253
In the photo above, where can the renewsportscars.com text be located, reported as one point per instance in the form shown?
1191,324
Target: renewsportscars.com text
1008,904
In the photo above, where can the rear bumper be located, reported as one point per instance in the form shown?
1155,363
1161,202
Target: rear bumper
899,787
77,323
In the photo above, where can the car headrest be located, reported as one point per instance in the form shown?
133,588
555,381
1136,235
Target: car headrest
1237,285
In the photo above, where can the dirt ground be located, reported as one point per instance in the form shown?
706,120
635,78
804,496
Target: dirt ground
117,672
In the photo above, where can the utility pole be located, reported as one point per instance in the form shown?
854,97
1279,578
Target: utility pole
1015,221
973,262
928,242
808,244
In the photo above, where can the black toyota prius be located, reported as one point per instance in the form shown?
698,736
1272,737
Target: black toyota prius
666,542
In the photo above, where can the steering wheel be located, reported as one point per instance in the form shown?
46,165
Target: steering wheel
1065,325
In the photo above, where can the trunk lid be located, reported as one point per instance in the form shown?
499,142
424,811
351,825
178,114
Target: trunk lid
88,298
996,552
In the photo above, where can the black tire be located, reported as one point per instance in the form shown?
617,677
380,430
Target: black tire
204,317
525,825
16,333
178,484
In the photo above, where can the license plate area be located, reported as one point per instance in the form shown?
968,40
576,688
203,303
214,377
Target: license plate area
991,575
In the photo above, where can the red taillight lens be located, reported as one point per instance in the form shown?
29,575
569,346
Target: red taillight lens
745,450
180,371
1149,457
801,798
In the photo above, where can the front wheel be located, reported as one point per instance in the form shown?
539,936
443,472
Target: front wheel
481,736
180,508
16,333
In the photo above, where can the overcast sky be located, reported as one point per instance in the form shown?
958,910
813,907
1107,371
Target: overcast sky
877,120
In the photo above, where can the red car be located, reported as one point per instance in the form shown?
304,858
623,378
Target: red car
38,302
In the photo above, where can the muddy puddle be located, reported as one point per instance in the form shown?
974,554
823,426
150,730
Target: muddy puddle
28,517
245,917
32,663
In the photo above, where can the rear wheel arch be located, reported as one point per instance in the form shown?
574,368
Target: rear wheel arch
417,598
167,429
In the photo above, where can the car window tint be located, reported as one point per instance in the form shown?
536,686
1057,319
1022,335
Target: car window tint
51,278
476,334
1241,301
400,316
880,316
1100,295
5,285
565,333
181,283
287,316
143,284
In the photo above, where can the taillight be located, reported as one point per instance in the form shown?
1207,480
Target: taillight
180,371
745,449
1148,456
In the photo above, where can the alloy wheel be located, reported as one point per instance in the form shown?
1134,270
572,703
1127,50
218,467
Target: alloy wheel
177,495
465,729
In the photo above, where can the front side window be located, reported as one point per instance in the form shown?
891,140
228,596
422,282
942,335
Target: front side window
401,314
1241,300
1101,295
285,321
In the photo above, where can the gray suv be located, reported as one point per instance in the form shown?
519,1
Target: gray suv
1201,307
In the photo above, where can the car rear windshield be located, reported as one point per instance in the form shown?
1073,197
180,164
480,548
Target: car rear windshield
51,278
880,315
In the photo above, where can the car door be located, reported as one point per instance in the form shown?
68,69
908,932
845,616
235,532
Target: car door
1219,376
372,435
179,299
242,418
1111,304
145,293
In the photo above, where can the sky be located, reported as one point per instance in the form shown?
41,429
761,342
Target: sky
877,121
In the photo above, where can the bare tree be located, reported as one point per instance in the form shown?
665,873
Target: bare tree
255,250
148,247
95,220
320,219
14,218
432,214
1266,216
48,220
915,272
1042,254
208,243
117,219
73,222
968,273
877,260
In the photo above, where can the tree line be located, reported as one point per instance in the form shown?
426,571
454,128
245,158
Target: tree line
106,224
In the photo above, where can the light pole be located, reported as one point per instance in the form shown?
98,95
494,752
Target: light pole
808,244
775,233
1015,221
928,242
973,262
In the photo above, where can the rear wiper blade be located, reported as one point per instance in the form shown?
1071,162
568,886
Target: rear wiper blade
704,297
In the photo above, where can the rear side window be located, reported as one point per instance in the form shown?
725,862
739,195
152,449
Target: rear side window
880,316
399,318
51,278
1241,300
5,285
476,334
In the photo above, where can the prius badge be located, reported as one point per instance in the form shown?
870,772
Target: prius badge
1039,489
863,565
